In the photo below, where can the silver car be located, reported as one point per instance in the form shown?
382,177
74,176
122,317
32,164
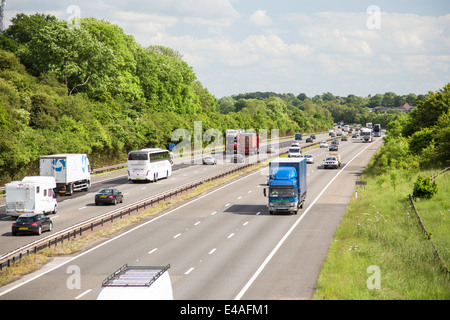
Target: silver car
209,160
309,158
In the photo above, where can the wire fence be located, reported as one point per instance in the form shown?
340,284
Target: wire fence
424,230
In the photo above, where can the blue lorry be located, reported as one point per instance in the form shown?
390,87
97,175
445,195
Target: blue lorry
287,185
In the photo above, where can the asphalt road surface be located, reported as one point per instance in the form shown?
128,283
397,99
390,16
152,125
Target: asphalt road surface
222,245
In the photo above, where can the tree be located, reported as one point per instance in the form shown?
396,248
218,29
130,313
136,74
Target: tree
73,54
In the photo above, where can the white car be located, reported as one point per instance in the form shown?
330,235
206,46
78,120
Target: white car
295,143
209,160
323,144
309,158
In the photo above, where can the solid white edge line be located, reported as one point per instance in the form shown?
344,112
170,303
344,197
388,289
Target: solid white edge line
269,257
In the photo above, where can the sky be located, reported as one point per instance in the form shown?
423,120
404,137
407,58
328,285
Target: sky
237,46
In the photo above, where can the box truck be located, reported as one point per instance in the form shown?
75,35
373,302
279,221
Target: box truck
287,185
31,195
72,171
247,143
138,283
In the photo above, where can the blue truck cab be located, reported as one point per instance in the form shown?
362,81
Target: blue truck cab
287,185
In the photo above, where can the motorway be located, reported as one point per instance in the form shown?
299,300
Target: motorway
222,245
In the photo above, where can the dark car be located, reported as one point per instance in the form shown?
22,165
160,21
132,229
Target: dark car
108,195
31,223
335,141
309,139
313,136
237,158
344,138
333,147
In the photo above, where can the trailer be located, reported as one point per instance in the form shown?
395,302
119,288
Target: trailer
138,283
71,171
31,195
247,143
287,185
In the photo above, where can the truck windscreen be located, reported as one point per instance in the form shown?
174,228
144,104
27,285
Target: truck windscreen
282,192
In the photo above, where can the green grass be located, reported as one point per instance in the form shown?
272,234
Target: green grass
381,229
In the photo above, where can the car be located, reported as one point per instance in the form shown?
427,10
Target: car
271,149
295,143
355,135
335,141
209,160
323,144
344,138
309,158
332,134
108,195
313,136
333,147
309,139
31,223
235,158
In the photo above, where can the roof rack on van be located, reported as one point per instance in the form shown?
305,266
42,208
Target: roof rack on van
135,276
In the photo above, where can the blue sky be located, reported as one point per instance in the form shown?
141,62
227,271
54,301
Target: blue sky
236,46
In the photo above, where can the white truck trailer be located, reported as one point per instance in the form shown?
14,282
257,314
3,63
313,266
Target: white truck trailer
31,195
71,171
137,283
366,134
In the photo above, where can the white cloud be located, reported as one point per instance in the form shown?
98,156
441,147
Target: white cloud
260,19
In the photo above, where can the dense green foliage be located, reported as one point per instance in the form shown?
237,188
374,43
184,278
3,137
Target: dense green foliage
91,88
420,139
424,188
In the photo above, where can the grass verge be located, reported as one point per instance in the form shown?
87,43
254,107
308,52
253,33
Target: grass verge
379,250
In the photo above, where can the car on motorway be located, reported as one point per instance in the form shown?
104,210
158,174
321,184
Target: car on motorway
108,195
344,138
313,136
31,223
295,143
309,158
209,160
323,144
332,134
333,147
237,158
309,139
355,135
271,149
335,141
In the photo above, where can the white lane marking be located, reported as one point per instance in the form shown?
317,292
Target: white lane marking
245,223
190,270
213,213
230,235
258,213
126,233
197,223
84,293
212,251
274,251
151,251
239,198
82,208
177,235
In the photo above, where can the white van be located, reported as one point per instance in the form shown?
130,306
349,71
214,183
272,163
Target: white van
138,283
295,152
31,195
